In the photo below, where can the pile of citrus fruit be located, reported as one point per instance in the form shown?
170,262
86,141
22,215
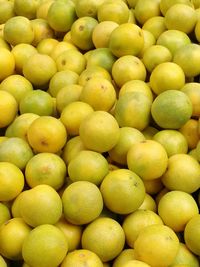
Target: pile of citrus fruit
99,133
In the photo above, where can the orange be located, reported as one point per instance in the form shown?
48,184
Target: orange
42,30
182,173
116,11
99,131
105,237
155,25
7,63
148,159
177,218
101,33
187,57
17,151
126,39
5,213
123,191
126,255
47,134
87,8
82,192
45,168
17,30
171,109
8,107
133,103
81,32
166,4
26,8
128,68
156,245
191,234
61,15
98,88
145,9
190,131
88,166
12,181
176,16
166,76
46,46
7,11
173,40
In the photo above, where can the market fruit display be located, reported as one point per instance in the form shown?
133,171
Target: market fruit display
99,133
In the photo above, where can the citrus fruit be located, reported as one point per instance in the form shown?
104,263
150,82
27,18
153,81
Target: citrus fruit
3,262
176,16
155,25
26,8
43,8
128,136
72,148
61,15
133,103
72,60
135,263
135,222
101,33
190,131
126,39
20,125
60,47
17,151
7,63
185,256
45,245
155,55
156,244
12,181
173,141
21,53
42,30
47,134
88,8
39,69
73,114
12,234
148,159
166,76
149,40
98,88
81,32
38,102
82,192
88,166
66,95
72,232
171,109
5,213
18,29
8,107
177,218
145,9
187,57
81,257
136,85
148,203
46,46
61,79
7,11
105,237
40,205
191,234
123,191
99,131
166,4
126,255
128,68
173,40
45,168
116,11
17,85
93,71
182,173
